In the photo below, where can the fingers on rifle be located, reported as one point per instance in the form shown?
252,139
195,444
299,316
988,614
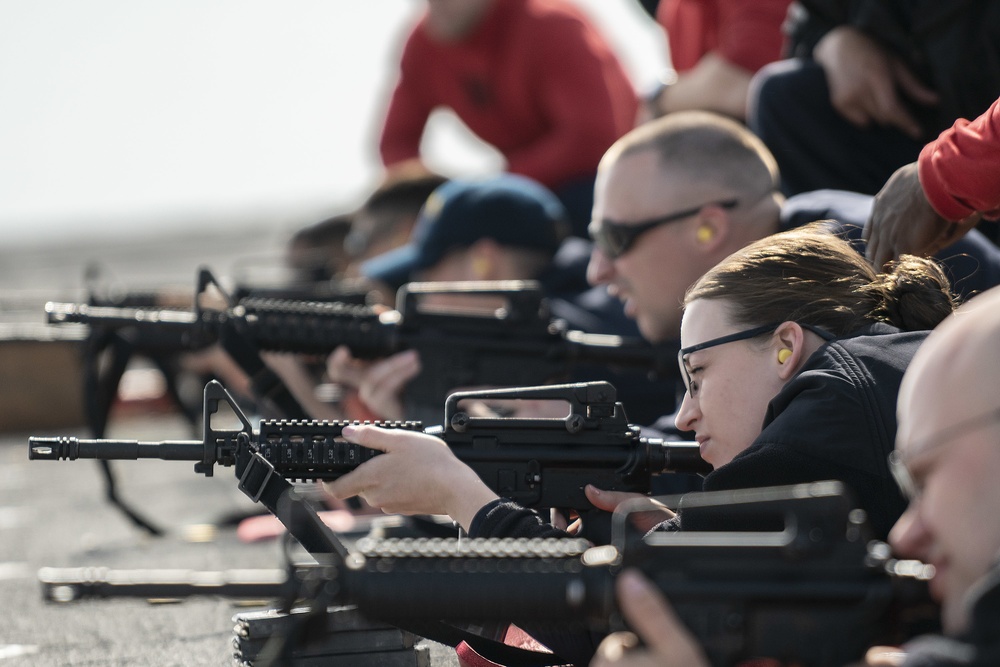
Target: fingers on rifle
372,437
602,500
654,620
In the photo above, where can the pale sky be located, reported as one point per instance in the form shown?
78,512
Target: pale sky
124,116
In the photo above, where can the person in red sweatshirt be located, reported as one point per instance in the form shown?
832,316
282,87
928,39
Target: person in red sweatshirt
954,183
533,78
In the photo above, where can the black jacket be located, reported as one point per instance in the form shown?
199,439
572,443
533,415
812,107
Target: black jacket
953,46
836,419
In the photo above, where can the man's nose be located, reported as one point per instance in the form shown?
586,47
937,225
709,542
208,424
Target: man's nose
600,268
909,537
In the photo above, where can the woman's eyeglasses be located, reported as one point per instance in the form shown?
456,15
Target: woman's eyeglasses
692,387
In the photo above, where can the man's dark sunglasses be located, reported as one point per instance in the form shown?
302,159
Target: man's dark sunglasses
615,238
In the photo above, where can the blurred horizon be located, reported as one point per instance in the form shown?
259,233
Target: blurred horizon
126,120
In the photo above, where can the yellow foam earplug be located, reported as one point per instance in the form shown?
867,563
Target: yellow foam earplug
480,267
705,234
783,355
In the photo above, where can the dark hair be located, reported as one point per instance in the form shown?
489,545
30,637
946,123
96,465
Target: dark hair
811,276
391,210
403,194
317,251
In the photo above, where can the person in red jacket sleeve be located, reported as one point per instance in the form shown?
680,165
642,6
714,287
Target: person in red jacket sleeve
954,183
533,78
716,46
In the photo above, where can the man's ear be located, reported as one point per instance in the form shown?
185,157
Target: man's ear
789,349
712,228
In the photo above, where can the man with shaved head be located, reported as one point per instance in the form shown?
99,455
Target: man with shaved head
948,462
675,196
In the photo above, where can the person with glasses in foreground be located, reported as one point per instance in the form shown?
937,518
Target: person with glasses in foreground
794,348
947,461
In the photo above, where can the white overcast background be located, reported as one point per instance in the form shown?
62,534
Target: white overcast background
125,117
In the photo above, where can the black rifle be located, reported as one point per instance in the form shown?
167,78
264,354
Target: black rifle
109,347
814,591
537,462
138,324
516,345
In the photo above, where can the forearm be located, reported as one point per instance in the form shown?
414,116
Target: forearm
471,497
404,122
714,84
959,171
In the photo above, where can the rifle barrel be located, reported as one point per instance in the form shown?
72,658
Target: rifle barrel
68,448
682,457
70,584
59,313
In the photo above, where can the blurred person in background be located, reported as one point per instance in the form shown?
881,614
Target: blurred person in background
506,227
533,78
871,82
386,218
334,249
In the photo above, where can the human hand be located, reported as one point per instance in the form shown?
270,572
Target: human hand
416,474
902,221
379,383
609,500
667,642
866,81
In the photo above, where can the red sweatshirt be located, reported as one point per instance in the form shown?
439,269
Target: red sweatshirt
534,79
745,33
960,170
